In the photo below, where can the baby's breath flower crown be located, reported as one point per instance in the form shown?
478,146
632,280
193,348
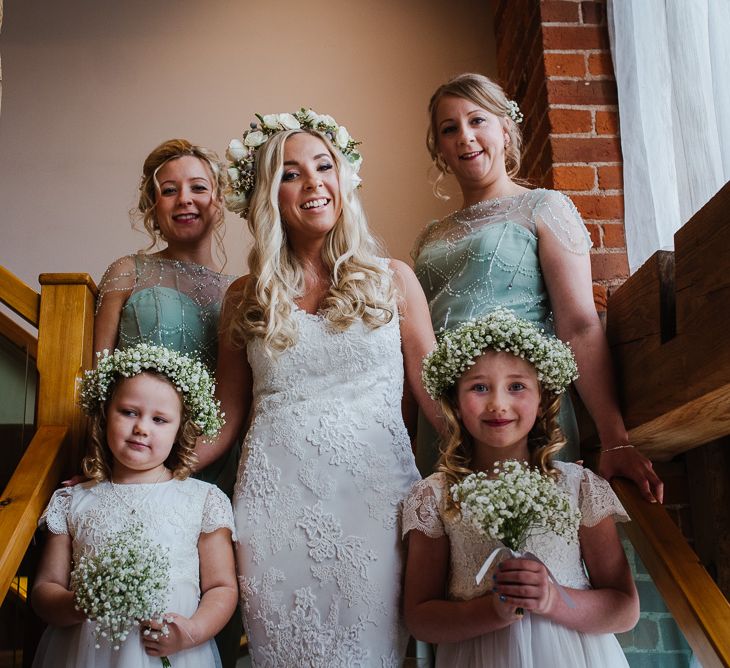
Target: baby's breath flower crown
242,152
188,375
502,331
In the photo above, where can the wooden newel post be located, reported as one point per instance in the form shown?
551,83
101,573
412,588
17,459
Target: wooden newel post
65,348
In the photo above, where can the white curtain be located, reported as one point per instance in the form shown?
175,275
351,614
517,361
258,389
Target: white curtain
672,63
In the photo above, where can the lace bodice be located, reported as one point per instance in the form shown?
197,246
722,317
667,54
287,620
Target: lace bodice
169,302
174,514
424,511
486,256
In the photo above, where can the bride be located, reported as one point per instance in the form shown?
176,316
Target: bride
314,342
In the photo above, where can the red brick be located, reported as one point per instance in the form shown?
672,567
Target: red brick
566,38
565,65
586,149
593,12
600,64
606,122
561,12
600,297
613,235
594,229
569,177
607,266
611,177
600,207
569,91
570,121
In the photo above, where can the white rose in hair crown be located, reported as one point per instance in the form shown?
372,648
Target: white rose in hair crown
242,152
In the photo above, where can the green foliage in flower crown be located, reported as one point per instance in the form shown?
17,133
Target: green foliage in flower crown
190,376
518,502
501,331
125,581
242,152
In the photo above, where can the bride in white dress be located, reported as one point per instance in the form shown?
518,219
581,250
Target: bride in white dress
314,343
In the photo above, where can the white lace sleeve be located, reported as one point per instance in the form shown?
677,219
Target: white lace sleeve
598,501
558,213
217,513
421,511
55,516
120,276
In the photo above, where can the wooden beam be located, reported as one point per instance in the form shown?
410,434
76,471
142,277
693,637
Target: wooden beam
18,336
65,341
696,603
26,496
667,327
19,297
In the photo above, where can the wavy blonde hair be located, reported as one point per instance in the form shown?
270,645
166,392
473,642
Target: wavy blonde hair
486,94
361,288
149,187
544,441
99,460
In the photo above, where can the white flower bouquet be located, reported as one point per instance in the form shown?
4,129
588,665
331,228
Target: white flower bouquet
124,582
516,502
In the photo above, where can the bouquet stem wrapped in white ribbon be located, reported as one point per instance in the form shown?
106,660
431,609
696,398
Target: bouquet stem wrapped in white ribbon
517,502
124,582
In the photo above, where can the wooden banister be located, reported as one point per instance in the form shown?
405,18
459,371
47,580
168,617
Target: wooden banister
693,598
18,336
26,496
19,297
65,341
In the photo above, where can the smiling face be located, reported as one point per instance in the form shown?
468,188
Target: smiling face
471,141
142,422
309,196
187,207
498,400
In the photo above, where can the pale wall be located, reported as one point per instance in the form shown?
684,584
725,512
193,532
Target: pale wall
90,86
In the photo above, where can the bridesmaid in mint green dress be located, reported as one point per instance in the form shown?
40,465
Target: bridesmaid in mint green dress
527,250
173,297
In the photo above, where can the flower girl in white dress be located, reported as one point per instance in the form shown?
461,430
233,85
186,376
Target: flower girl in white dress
499,379
148,404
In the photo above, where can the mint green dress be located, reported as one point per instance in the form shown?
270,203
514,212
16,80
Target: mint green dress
175,304
486,256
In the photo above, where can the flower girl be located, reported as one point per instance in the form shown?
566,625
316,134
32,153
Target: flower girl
139,563
499,380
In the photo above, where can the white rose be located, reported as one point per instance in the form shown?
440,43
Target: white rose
288,122
272,121
342,137
312,116
233,174
236,150
327,120
254,139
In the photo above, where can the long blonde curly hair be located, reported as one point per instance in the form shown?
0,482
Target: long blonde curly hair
98,463
544,441
361,288
484,93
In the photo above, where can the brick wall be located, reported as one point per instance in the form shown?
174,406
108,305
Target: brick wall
553,57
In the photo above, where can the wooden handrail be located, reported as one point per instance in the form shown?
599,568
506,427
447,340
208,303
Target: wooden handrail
693,598
18,336
22,299
25,497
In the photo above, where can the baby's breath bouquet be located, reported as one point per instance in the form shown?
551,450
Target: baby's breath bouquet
517,502
122,583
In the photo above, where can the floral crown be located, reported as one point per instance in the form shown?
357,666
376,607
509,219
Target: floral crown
513,111
242,152
189,376
502,331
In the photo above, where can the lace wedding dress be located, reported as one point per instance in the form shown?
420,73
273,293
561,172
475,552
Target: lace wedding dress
533,642
174,514
326,464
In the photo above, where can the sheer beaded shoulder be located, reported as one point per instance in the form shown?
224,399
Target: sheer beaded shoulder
558,213
421,508
169,302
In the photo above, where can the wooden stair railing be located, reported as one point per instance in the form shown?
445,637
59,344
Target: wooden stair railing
64,316
691,595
